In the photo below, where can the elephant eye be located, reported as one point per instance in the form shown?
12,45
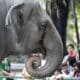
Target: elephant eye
43,25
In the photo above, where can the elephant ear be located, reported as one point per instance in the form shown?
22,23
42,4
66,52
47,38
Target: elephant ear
11,27
8,19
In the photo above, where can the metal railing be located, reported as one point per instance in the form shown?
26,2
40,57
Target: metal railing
72,78
22,78
47,78
15,78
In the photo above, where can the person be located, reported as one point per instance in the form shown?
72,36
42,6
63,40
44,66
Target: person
57,75
71,50
5,69
77,69
65,71
71,54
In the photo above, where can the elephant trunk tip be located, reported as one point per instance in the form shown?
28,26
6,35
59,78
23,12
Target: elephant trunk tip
32,65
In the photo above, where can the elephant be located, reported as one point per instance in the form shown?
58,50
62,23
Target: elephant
25,28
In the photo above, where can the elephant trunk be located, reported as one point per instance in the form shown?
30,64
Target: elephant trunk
54,54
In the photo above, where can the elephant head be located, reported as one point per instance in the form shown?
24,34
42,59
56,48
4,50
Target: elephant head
29,29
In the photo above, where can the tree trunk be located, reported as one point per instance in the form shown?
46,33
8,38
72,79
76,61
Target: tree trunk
59,15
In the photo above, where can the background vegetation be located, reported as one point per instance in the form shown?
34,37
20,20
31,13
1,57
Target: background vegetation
71,31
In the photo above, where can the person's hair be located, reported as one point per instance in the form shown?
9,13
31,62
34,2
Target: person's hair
71,45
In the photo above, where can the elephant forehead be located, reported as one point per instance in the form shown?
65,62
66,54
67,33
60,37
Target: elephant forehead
17,1
42,4
26,11
34,33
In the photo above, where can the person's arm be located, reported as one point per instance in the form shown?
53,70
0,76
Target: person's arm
7,73
2,71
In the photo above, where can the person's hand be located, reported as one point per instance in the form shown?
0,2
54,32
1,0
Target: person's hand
12,74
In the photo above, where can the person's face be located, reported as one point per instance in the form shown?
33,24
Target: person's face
69,48
64,69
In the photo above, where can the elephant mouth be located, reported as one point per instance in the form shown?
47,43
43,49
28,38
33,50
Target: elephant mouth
38,55
40,50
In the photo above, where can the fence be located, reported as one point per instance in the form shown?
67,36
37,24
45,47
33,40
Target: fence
15,78
72,79
21,78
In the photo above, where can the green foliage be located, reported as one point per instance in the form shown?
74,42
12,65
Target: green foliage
71,31
78,8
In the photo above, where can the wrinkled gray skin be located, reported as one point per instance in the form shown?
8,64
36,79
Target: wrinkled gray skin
26,28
